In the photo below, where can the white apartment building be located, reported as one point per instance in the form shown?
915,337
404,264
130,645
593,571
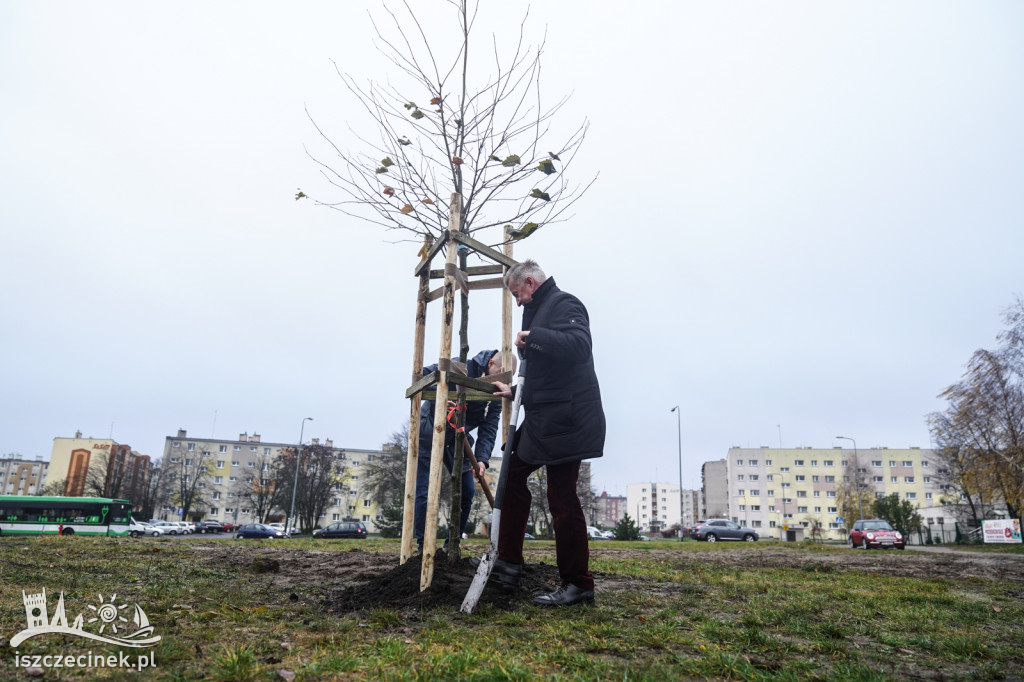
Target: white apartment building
800,488
22,476
653,506
232,462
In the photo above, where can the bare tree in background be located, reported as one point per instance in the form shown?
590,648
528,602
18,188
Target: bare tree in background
981,432
320,477
454,119
190,476
156,493
260,488
384,481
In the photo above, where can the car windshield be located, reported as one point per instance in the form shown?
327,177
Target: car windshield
877,525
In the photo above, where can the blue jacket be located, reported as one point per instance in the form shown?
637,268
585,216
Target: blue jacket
483,417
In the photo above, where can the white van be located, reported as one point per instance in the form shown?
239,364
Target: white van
136,529
595,533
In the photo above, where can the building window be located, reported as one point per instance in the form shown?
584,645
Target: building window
892,463
233,479
908,463
218,479
798,463
368,503
893,479
753,477
753,462
924,464
220,464
801,510
191,447
266,451
927,496
767,462
740,477
222,448
213,511
234,462
216,496
878,479
908,479
741,492
829,462
739,462
876,462
814,479
237,448
801,477
911,496
801,493
176,444
252,448
755,493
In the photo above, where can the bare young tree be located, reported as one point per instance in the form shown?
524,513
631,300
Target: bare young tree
452,119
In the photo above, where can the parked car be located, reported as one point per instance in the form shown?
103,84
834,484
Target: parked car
714,530
868,533
279,526
595,534
137,528
342,529
209,527
227,526
259,531
168,528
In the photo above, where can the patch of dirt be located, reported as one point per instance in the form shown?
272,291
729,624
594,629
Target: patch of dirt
359,580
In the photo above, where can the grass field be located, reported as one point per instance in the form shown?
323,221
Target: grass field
242,610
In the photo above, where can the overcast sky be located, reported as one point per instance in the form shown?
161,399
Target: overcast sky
808,216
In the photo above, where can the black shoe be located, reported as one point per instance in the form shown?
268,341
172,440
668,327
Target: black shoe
502,571
566,595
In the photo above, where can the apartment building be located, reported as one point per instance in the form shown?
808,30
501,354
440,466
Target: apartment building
97,466
22,476
772,489
608,510
233,463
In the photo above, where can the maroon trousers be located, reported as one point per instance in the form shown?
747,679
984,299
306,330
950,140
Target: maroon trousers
572,548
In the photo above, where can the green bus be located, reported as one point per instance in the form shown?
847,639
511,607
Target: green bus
25,515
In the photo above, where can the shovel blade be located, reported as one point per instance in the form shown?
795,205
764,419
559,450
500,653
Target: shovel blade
476,588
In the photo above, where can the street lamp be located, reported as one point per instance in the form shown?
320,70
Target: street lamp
856,471
295,486
679,429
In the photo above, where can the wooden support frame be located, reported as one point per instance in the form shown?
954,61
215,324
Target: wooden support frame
447,377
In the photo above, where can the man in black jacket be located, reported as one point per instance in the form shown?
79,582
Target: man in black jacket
564,425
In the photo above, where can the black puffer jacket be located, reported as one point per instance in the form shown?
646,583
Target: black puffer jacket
564,417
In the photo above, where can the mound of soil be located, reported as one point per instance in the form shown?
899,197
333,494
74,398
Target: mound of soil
399,588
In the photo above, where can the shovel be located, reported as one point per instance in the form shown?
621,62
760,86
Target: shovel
483,571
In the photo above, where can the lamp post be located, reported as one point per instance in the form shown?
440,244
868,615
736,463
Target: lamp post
295,486
856,472
679,430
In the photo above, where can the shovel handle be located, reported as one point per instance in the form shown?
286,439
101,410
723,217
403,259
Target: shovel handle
481,479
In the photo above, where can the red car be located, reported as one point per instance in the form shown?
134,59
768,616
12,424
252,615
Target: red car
868,533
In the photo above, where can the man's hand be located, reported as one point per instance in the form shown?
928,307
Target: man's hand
480,469
503,390
521,339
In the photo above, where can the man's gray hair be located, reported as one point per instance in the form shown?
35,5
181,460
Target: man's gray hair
520,271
